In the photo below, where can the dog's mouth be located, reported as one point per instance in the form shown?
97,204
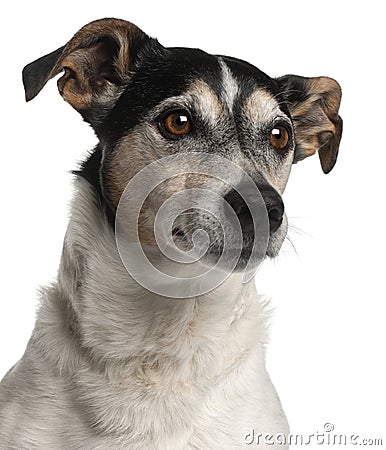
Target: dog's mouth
248,251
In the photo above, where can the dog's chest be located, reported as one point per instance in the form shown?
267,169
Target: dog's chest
185,417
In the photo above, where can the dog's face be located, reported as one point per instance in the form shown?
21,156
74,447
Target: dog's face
147,102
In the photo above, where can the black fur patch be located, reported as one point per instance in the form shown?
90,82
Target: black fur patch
159,75
90,170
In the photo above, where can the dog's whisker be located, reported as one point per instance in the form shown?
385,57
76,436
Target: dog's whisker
297,230
290,241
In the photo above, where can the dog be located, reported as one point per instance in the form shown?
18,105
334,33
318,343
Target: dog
112,363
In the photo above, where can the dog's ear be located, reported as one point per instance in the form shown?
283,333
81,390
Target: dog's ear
96,64
314,105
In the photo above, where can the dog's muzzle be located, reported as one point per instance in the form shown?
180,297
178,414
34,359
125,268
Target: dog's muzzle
246,223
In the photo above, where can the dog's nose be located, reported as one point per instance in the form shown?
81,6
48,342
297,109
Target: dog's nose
240,207
275,208
273,203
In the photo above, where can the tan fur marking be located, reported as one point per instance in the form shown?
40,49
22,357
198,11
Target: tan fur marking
134,152
203,99
118,29
320,115
78,56
129,157
261,106
207,101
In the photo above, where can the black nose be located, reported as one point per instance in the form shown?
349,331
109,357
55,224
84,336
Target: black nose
273,203
275,208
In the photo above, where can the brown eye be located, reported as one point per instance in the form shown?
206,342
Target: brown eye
177,123
279,138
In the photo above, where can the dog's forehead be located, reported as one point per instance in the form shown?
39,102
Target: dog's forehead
218,87
252,98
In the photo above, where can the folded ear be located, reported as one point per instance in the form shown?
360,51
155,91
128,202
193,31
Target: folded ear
314,105
96,64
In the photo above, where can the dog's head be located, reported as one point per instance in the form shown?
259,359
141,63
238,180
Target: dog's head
147,102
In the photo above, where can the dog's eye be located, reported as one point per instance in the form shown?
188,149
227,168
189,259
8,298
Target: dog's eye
279,138
176,123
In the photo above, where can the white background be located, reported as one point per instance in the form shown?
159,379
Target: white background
327,350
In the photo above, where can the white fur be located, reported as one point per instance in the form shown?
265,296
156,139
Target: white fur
230,85
111,366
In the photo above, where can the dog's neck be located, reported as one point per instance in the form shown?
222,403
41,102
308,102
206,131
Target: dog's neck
114,322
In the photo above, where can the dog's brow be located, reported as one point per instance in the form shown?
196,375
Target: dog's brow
261,107
206,101
199,96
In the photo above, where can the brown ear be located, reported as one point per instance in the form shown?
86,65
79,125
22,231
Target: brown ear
96,64
314,105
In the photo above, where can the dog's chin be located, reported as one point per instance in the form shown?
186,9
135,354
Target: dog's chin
253,259
236,259
273,248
